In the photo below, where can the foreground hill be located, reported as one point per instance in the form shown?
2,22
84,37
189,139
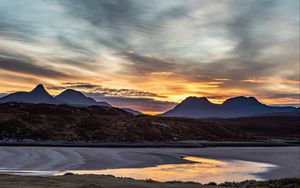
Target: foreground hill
194,107
96,123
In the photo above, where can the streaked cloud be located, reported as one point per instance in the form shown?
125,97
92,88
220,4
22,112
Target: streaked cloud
15,65
103,90
147,105
154,50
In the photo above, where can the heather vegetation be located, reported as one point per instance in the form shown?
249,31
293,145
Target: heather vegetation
96,123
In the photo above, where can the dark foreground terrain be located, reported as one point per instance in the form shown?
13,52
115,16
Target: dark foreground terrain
105,181
65,123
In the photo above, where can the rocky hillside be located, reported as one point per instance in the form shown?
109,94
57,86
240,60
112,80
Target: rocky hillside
96,123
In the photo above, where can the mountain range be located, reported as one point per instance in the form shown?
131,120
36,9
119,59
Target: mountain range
36,96
191,107
73,97
40,95
70,97
201,107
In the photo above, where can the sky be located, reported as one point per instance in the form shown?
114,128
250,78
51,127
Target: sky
150,55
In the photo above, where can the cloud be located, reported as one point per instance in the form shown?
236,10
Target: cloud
126,92
179,48
25,65
230,70
284,95
138,103
114,18
75,85
145,64
103,90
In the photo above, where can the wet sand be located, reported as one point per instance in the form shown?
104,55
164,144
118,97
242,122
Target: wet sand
287,159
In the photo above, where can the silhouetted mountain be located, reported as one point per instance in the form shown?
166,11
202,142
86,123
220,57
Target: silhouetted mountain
37,95
76,98
40,95
243,106
295,112
194,107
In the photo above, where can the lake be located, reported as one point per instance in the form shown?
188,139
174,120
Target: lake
162,164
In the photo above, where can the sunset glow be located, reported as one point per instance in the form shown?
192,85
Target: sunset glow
139,55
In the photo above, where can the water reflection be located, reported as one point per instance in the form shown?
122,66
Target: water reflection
200,170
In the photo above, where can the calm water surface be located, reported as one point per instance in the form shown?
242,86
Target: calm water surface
201,170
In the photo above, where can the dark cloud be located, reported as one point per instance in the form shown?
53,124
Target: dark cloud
74,85
284,95
243,25
108,12
142,104
113,17
104,91
126,23
81,85
22,64
75,45
17,30
145,64
231,69
126,92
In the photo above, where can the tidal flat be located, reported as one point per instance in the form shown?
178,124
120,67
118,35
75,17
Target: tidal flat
201,165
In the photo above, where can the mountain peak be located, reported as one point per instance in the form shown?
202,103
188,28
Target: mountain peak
39,89
72,92
241,99
193,99
201,107
36,96
74,97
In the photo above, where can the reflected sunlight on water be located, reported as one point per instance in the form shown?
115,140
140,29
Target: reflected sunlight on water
200,170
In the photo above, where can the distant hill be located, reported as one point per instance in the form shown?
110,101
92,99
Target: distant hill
40,95
76,98
295,112
71,97
194,107
37,95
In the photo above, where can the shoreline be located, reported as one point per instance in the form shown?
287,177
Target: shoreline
73,180
187,144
